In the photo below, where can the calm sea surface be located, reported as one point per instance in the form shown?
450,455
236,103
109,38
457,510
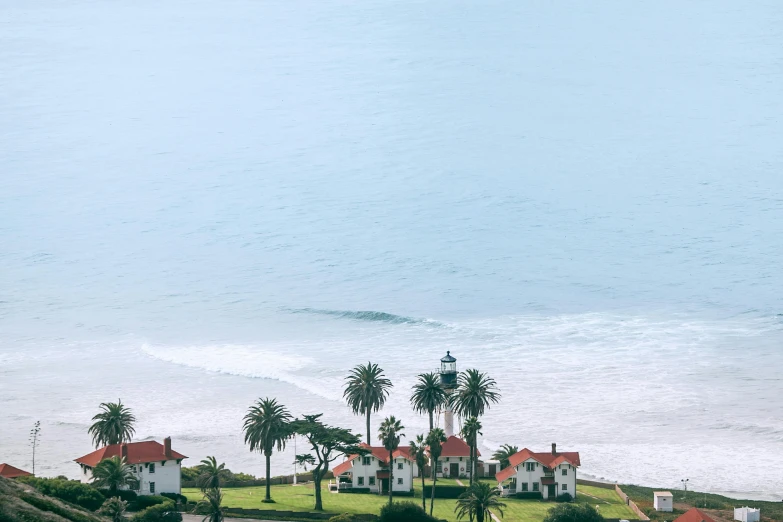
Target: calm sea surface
203,203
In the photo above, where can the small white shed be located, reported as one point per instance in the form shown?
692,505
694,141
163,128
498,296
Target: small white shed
663,501
747,514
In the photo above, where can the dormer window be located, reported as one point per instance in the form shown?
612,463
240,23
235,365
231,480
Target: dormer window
152,467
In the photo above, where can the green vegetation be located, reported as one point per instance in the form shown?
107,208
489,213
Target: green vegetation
470,432
573,513
18,505
114,508
68,490
267,425
479,502
418,452
211,474
300,498
428,395
165,512
389,434
366,390
114,474
643,497
435,441
407,511
504,453
113,425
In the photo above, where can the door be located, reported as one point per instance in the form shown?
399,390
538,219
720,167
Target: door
552,492
492,470
454,469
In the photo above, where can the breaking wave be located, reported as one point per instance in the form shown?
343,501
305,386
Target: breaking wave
367,315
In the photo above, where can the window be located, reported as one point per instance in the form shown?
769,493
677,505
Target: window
152,467
372,481
524,486
565,487
399,481
152,487
367,461
460,459
360,481
399,466
565,472
535,486
530,466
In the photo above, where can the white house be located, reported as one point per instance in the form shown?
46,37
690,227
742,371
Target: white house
747,514
552,474
454,458
663,500
157,467
372,470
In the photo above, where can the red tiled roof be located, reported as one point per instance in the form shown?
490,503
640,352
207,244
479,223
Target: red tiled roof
694,515
456,447
548,459
8,471
379,452
137,453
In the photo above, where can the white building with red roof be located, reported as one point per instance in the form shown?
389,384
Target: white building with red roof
157,467
371,471
8,471
454,458
552,473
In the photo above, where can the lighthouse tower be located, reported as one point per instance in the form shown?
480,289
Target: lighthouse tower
448,380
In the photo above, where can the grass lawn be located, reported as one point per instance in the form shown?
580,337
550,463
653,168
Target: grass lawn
301,498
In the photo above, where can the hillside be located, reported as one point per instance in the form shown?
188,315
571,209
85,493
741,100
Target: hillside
21,503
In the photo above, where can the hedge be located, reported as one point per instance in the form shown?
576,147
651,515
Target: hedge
124,494
529,495
159,513
407,511
176,497
444,491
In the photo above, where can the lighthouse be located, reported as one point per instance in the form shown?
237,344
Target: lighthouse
448,380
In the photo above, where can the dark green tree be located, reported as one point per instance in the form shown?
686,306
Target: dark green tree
477,501
267,426
435,441
366,390
113,425
428,395
114,508
211,474
470,432
505,452
211,506
418,451
389,434
114,474
328,443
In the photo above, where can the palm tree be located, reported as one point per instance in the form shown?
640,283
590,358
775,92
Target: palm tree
113,425
428,395
435,440
389,434
211,506
504,453
266,427
477,501
114,508
366,390
470,432
475,393
418,451
211,474
114,473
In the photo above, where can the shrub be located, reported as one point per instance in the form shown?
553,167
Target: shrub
571,512
124,494
145,501
565,497
355,490
47,505
444,491
529,495
176,497
407,511
345,517
158,513
71,491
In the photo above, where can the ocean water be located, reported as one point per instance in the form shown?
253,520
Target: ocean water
203,203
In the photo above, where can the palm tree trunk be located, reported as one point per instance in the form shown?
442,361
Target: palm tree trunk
479,515
431,419
472,460
391,475
434,480
368,428
423,502
268,473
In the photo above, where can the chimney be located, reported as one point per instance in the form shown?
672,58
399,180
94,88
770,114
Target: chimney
554,448
167,447
123,451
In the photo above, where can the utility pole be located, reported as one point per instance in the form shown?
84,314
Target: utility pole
34,435
685,484
294,460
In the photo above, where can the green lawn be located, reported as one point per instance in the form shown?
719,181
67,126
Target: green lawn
300,498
